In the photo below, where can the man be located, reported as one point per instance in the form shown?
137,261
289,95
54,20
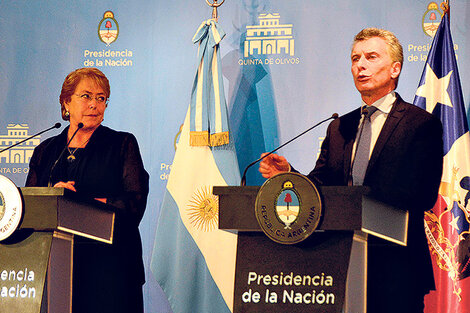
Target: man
403,168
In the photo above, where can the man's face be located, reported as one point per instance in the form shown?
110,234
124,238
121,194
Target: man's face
372,69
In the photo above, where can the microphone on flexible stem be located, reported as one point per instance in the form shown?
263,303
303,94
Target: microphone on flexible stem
243,181
79,126
56,125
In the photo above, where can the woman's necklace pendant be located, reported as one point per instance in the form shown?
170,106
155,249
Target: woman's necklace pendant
71,158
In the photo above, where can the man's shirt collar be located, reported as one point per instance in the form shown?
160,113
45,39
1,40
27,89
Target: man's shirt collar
385,103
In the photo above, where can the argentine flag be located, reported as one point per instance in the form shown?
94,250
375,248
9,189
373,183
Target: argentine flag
194,261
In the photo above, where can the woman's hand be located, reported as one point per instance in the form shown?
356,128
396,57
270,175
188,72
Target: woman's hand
67,185
70,186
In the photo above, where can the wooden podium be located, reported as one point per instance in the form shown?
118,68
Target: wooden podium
337,250
44,244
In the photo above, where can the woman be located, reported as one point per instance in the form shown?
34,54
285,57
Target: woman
102,164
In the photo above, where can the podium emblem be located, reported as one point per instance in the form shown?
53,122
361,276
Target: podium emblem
11,207
287,205
288,208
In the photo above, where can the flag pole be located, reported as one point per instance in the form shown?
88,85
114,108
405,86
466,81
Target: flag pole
214,6
445,6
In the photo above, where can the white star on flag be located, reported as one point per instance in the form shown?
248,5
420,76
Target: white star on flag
435,90
454,223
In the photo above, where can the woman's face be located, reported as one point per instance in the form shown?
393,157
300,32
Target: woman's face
87,105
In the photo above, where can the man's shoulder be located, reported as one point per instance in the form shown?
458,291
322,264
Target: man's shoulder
414,112
402,104
345,125
351,118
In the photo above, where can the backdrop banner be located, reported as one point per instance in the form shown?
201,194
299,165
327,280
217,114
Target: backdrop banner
285,66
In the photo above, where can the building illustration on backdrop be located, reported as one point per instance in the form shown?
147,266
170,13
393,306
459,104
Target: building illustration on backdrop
269,37
21,153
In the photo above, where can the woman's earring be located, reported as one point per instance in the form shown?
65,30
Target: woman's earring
67,114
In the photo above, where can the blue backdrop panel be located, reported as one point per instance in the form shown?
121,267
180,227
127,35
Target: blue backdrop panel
275,88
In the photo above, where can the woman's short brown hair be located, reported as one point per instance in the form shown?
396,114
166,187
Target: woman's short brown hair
73,79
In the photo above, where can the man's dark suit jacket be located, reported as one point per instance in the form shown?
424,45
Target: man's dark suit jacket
404,170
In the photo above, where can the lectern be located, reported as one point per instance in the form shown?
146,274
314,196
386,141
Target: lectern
36,264
325,273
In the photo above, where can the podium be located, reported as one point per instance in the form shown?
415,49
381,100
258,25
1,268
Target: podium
36,263
325,273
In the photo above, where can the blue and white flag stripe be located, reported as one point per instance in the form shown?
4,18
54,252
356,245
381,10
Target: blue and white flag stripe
191,255
209,122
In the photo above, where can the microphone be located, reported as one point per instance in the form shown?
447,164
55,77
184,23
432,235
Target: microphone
49,183
57,125
243,181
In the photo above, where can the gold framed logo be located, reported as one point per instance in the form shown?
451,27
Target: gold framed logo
288,208
11,207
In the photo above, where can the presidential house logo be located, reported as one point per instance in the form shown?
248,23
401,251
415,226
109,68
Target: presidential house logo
11,207
270,40
108,29
288,208
431,19
21,153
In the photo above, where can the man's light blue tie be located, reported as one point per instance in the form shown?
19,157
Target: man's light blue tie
362,147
